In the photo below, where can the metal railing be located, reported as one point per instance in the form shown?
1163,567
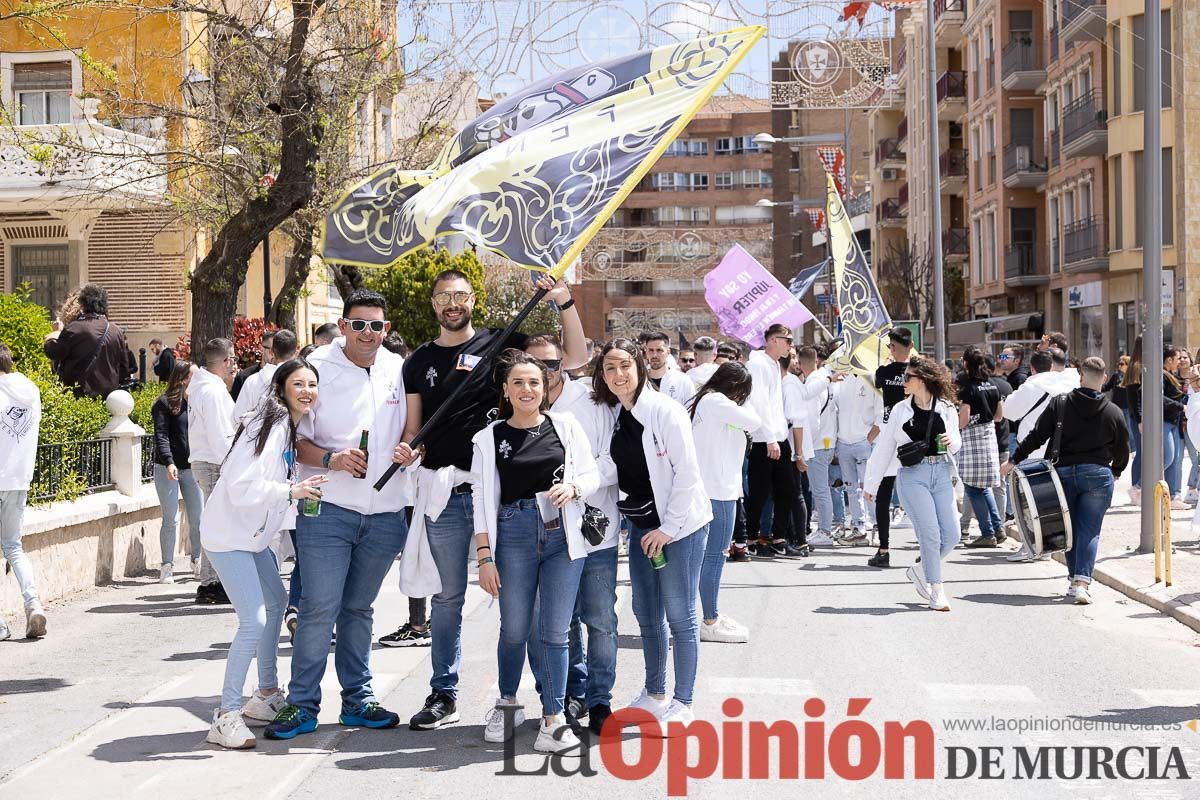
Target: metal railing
1083,240
1162,532
1073,9
1019,56
1055,153
953,163
902,195
859,204
952,84
942,6
1054,44
1083,116
1055,266
902,130
148,458
956,242
1020,260
889,209
88,461
888,150
901,58
1022,156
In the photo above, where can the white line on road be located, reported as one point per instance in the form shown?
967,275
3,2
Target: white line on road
782,686
971,695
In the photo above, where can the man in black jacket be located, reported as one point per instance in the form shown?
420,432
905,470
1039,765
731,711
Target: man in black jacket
88,355
1093,452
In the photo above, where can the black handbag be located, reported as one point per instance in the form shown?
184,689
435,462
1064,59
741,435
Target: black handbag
595,524
912,453
641,514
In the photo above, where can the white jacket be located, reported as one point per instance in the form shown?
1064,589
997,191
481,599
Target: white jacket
1032,397
20,415
252,392
859,405
719,429
883,460
700,375
580,469
679,498
250,502
823,413
210,418
349,401
597,420
676,385
766,397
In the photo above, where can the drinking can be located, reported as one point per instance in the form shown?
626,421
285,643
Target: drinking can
659,561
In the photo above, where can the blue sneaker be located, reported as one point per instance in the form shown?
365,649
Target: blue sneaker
290,723
369,715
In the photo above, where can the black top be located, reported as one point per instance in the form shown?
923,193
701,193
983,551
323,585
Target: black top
529,460
240,379
915,427
656,381
982,397
170,434
1002,426
1116,392
1094,432
433,371
1018,376
165,364
889,379
89,356
1174,402
633,475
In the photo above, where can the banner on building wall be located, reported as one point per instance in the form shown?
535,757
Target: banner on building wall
747,299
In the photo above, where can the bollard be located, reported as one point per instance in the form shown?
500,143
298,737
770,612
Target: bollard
1162,532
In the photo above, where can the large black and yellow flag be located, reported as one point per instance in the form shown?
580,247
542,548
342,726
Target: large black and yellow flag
863,316
537,176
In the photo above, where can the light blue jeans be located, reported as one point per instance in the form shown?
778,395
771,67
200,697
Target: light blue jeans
852,456
346,557
12,512
720,534
823,494
450,544
927,494
983,505
1193,481
534,563
254,587
666,598
1172,457
1135,446
169,492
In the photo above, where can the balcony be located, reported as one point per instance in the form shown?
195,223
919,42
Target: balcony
1083,21
1085,127
1024,166
1020,67
1084,248
888,215
81,159
952,95
948,16
902,196
902,131
1053,157
956,244
952,171
1021,267
889,153
901,59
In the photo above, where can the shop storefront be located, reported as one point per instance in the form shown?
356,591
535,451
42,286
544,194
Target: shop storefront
1085,304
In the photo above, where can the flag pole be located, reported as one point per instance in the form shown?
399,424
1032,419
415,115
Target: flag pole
447,405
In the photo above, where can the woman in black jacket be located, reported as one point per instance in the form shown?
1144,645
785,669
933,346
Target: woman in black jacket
172,470
1174,401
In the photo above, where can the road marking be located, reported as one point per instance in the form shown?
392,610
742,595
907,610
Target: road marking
792,687
1169,697
971,696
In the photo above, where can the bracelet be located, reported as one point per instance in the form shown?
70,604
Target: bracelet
566,305
486,560
482,547
325,458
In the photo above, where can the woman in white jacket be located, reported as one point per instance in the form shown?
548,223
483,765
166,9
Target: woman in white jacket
247,508
530,470
926,488
653,460
720,421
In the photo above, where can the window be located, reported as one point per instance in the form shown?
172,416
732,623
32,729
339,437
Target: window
1085,200
42,92
724,147
1139,62
1166,63
724,180
1052,213
1168,195
1117,219
976,172
977,250
1115,105
991,131
749,145
1068,207
989,55
1051,111
991,245
1138,197
975,69
736,145
45,268
687,147
1085,81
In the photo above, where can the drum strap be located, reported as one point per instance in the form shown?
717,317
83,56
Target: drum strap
1033,408
1061,411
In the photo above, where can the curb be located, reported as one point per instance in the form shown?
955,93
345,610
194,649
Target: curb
1157,596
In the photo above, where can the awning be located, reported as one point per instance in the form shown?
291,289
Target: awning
961,334
1015,322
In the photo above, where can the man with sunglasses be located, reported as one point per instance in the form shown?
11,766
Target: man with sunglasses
443,513
770,462
1013,369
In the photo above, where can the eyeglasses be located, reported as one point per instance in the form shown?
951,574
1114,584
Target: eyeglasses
787,339
552,364
444,298
909,376
687,361
360,325
1004,357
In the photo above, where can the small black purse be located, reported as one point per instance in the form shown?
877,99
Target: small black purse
912,453
595,524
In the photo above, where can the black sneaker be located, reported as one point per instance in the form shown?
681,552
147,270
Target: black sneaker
206,595
439,710
407,636
219,596
796,551
738,555
983,541
1001,537
880,559
575,708
777,548
597,715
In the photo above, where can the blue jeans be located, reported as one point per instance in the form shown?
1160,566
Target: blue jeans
1194,474
295,584
346,557
927,494
1135,446
252,582
665,598
592,669
720,534
819,481
1172,457
1089,490
534,563
983,504
450,544
12,513
168,500
853,459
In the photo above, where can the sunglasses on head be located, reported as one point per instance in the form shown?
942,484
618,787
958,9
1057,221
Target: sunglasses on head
360,325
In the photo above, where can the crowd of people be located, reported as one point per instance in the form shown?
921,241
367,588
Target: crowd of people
545,464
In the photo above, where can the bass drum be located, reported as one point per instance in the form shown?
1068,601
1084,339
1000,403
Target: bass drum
1040,507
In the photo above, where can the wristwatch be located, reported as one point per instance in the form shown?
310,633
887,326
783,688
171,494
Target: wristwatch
325,458
566,305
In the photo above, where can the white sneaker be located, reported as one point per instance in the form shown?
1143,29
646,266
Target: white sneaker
556,737
196,568
5,633
1179,505
901,520
1135,496
1193,497
229,731
1072,592
723,630
1023,554
261,708
821,539
494,729
1082,596
917,575
676,712
644,701
166,573
35,623
937,598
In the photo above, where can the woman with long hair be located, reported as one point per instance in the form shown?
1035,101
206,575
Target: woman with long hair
248,506
720,421
926,487
980,407
1132,384
1183,372
530,470
652,457
173,472
1174,402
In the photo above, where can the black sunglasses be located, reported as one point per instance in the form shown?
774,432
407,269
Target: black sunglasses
360,325
552,364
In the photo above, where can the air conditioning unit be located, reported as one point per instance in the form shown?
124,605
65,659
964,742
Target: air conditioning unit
890,174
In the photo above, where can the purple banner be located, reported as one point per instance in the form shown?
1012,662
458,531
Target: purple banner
748,299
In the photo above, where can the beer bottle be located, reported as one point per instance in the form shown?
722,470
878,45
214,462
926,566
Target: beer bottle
362,445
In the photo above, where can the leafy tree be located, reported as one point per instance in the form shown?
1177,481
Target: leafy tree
408,284
507,293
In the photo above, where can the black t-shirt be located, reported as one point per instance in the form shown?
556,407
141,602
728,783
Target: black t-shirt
433,372
981,397
633,474
529,460
656,381
1005,389
915,427
889,379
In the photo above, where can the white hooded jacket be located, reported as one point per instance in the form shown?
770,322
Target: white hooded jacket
252,497
20,415
1032,397
883,460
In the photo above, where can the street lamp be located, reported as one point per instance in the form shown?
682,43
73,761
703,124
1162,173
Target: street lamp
766,139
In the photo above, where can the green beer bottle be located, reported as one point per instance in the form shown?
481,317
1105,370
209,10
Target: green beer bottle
362,445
